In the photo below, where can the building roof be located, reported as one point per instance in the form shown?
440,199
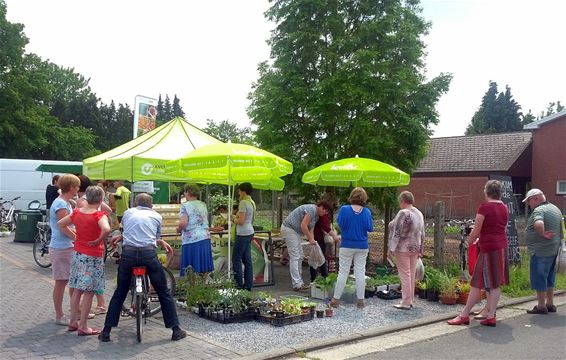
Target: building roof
487,152
537,124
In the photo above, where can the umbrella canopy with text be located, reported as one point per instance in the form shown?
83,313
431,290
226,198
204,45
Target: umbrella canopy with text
356,172
230,164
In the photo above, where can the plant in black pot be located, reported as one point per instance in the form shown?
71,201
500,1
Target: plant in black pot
432,277
421,289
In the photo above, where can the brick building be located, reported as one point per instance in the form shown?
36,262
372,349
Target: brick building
549,157
456,168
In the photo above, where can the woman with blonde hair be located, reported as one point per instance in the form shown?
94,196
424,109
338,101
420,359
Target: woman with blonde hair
355,222
406,239
61,245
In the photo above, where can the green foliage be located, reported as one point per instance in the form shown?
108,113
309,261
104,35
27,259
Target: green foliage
216,200
452,269
447,284
227,131
432,278
497,113
379,280
346,78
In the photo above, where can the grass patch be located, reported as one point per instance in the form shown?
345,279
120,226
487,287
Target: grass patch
519,280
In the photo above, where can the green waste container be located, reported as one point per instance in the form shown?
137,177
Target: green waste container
26,228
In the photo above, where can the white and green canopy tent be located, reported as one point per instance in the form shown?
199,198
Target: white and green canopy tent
146,157
231,164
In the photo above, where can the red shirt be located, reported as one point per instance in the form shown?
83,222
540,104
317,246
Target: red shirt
493,234
320,227
86,226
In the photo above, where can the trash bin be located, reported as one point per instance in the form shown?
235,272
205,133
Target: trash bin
26,228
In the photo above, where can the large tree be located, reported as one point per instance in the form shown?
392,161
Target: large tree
227,131
27,129
497,113
346,78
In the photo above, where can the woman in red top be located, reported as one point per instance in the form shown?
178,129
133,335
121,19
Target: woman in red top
87,265
492,268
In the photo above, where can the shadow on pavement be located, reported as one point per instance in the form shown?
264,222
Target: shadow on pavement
501,334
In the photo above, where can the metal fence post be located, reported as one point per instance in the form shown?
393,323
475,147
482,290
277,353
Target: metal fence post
439,214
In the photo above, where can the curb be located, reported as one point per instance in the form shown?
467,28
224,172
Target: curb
289,351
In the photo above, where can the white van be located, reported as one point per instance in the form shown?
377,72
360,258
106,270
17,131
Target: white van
22,178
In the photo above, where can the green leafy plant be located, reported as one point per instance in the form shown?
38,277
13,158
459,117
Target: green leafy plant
464,287
432,277
4,228
447,285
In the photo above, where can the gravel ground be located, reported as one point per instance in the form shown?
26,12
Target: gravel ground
258,337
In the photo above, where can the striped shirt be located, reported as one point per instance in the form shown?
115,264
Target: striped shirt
295,218
536,244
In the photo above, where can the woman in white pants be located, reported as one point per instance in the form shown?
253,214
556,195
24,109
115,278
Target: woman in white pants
301,222
355,222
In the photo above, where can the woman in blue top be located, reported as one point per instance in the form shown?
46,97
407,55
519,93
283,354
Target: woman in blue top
244,236
196,251
61,245
355,222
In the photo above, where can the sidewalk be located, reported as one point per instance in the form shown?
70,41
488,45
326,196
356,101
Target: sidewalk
27,329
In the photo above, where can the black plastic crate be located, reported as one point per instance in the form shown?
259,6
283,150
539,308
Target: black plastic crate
285,320
227,316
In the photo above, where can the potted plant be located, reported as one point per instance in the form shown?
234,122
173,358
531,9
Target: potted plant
464,288
432,277
448,289
329,311
421,289
4,231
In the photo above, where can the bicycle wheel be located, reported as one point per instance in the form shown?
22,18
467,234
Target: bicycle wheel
105,250
139,316
153,298
41,250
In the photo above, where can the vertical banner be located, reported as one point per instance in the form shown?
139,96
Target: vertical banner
145,115
509,200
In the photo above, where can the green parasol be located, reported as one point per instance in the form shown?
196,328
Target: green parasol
230,164
356,172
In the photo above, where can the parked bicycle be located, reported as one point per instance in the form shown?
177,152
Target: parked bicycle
144,300
41,245
466,227
9,217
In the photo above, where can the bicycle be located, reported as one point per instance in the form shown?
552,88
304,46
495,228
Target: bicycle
41,245
9,217
142,297
466,227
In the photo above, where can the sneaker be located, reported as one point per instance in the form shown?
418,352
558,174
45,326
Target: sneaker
64,321
178,334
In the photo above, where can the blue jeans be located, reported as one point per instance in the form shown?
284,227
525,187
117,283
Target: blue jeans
148,258
542,272
243,253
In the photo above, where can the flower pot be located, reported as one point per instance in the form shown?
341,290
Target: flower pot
463,298
432,295
329,312
422,293
369,292
320,314
448,300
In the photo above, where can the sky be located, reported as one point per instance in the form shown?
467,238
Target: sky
207,52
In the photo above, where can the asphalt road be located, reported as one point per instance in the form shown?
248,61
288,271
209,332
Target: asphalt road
522,337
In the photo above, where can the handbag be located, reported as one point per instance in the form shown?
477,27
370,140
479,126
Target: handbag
473,254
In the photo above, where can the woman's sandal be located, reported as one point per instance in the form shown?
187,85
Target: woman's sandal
334,303
360,304
88,332
99,310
